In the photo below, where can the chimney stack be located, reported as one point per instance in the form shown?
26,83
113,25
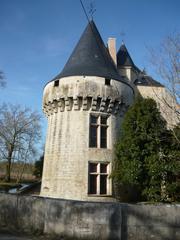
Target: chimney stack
112,48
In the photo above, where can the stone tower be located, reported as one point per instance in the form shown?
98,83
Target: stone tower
84,106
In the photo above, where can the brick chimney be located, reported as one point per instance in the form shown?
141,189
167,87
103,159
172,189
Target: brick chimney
112,48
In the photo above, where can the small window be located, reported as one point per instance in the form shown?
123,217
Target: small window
103,168
103,138
93,136
56,83
93,131
107,81
93,119
103,184
93,167
98,178
93,184
98,131
103,120
103,132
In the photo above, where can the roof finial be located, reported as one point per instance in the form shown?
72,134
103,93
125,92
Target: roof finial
92,9
144,71
122,34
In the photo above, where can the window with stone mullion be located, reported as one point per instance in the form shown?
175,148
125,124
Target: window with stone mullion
98,178
98,131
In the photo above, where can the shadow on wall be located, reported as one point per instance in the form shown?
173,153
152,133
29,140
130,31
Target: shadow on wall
83,220
150,222
60,218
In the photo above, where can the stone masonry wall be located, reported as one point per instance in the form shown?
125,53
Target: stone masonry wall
71,219
150,222
89,220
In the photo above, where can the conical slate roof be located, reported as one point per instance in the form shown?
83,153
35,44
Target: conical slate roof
123,57
90,57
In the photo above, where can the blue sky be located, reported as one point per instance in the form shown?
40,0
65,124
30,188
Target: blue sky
38,36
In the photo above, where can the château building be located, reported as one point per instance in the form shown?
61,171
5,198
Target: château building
85,105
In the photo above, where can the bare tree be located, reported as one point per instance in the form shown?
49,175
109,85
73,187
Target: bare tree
19,132
2,79
166,61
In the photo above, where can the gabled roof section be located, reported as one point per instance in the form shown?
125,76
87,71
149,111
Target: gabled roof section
124,59
90,57
146,80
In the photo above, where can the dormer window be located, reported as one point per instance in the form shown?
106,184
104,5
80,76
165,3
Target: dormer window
56,83
107,81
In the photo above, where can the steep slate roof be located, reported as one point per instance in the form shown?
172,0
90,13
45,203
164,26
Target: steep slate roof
90,57
146,80
124,59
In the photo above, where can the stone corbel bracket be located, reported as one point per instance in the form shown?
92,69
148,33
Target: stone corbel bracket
87,103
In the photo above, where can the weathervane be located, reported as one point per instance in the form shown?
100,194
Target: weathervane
92,9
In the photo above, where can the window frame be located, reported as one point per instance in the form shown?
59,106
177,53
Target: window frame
99,176
99,126
93,125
